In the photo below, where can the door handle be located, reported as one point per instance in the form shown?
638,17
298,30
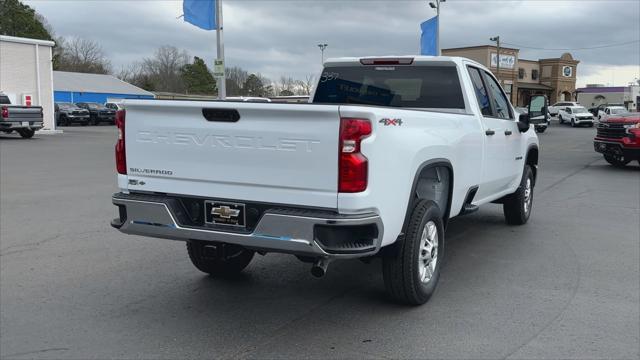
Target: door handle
490,132
508,132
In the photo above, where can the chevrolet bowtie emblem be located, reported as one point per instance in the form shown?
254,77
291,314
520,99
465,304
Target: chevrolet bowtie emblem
225,212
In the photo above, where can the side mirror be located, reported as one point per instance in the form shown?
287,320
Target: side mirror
523,123
538,113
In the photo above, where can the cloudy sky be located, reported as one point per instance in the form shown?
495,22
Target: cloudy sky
280,37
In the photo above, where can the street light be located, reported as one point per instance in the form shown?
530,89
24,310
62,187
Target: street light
496,39
436,5
322,47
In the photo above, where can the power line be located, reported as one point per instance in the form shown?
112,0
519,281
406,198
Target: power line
570,49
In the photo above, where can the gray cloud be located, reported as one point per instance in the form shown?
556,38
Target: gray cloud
280,37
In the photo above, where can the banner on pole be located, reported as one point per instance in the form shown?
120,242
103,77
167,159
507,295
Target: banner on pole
201,13
429,38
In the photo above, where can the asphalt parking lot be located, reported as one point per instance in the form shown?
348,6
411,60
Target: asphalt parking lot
566,285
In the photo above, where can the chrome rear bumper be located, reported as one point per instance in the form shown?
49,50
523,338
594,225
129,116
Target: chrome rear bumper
277,230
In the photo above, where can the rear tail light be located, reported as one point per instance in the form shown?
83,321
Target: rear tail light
121,154
5,112
353,166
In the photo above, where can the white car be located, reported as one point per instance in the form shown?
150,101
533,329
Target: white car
389,150
576,115
611,110
555,108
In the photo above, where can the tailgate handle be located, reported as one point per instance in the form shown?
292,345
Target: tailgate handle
221,115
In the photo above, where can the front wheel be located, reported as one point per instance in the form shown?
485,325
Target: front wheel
220,260
573,123
26,133
412,268
617,160
517,206
540,129
560,119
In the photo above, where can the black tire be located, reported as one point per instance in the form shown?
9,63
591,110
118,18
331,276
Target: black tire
617,160
220,260
560,120
540,130
26,133
573,123
517,206
401,269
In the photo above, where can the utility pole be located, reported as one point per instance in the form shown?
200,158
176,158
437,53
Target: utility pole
222,86
497,40
322,47
436,6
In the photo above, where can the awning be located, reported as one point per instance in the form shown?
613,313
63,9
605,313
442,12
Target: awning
533,86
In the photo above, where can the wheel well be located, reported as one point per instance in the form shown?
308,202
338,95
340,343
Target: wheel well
433,181
532,161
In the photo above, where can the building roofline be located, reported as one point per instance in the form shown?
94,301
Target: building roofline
479,47
28,41
527,60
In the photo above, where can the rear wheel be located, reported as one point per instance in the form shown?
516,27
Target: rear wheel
217,259
617,160
26,133
411,271
517,206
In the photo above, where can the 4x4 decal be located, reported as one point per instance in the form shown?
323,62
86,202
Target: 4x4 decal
391,122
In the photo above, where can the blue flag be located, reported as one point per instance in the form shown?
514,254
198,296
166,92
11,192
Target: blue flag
201,13
429,38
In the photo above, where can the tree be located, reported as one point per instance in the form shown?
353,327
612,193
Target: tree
17,19
253,86
306,85
197,78
134,74
235,79
286,92
81,55
164,69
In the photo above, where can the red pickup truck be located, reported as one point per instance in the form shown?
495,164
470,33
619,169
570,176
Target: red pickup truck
618,139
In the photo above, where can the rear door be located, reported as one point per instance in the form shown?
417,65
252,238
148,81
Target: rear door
501,134
273,153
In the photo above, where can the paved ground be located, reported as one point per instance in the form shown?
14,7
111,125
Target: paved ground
564,286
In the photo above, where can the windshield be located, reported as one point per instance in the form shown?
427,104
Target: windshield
94,106
618,111
65,105
579,110
435,87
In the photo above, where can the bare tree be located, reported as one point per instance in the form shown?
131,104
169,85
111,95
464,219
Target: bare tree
305,86
286,85
81,55
236,77
164,69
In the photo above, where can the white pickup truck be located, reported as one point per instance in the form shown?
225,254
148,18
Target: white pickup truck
390,149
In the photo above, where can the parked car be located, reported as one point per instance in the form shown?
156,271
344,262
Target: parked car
113,106
98,113
576,115
24,120
605,112
540,127
618,139
555,108
67,113
367,175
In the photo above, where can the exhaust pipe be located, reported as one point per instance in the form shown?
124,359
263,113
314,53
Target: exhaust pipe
320,267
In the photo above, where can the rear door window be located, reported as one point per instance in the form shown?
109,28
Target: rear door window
426,87
481,92
500,103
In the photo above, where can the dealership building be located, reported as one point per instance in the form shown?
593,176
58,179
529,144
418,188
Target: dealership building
80,87
26,74
522,78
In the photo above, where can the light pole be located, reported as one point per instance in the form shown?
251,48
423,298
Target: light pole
436,5
322,47
497,40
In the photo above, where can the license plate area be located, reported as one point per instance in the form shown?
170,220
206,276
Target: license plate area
225,214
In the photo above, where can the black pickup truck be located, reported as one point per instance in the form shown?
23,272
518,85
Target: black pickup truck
98,113
24,120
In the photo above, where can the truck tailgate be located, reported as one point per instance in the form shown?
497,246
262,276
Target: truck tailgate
274,153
